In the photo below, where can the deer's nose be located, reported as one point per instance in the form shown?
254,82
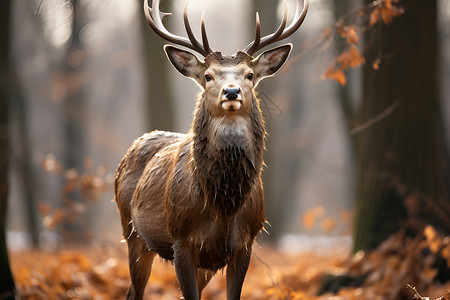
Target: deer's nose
231,92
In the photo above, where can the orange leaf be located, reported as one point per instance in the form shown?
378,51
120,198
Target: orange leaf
309,218
376,64
374,16
350,58
44,208
328,224
388,12
433,239
349,33
50,221
336,74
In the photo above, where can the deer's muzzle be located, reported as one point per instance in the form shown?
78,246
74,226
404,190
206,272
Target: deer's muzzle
231,98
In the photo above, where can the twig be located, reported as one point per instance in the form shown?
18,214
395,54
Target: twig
375,120
416,294
316,43
272,277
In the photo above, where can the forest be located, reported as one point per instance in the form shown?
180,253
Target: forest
356,162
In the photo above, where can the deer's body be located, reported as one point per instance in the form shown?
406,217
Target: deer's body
174,187
197,198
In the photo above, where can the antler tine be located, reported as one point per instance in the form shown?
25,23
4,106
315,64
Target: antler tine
274,36
269,38
204,37
299,17
195,43
253,47
154,18
282,31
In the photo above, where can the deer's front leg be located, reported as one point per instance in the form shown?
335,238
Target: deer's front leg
186,270
236,271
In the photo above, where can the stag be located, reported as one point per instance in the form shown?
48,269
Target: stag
197,199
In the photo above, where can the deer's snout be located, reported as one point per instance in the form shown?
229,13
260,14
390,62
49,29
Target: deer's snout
231,93
231,97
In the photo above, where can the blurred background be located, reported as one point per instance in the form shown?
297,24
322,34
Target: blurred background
89,77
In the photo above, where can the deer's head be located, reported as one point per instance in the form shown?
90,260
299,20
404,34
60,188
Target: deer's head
227,80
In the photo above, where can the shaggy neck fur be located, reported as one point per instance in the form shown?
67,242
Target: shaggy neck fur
227,156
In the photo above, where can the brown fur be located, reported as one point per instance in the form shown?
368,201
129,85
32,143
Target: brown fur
197,198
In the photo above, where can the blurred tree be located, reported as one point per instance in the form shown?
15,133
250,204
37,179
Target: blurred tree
159,97
74,103
273,191
398,160
7,287
21,157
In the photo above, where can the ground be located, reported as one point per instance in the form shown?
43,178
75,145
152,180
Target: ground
101,272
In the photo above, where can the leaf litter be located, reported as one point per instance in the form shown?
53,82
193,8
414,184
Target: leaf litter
400,268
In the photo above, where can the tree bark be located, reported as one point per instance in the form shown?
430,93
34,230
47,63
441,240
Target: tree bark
7,287
398,161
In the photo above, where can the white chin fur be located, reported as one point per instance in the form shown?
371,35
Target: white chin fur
231,105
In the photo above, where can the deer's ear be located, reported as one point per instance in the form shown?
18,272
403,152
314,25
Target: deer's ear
185,62
270,61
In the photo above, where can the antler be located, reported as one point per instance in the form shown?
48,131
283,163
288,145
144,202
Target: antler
282,31
154,18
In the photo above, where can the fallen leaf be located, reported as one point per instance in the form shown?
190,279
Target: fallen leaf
434,241
328,224
309,217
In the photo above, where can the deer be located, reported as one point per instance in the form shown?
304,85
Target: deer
196,199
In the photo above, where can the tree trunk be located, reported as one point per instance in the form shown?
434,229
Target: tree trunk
159,97
273,193
75,115
398,161
7,286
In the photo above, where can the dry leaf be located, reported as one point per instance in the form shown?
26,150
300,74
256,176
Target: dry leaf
309,220
350,58
349,33
336,74
50,221
310,217
374,16
44,208
386,11
376,64
328,224
434,241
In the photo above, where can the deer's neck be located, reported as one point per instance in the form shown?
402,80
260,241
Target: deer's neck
228,157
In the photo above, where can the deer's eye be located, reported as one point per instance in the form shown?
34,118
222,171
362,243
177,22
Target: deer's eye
208,77
250,76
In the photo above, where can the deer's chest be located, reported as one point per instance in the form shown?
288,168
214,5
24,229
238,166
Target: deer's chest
217,240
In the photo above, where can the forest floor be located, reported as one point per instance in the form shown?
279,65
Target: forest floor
400,268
